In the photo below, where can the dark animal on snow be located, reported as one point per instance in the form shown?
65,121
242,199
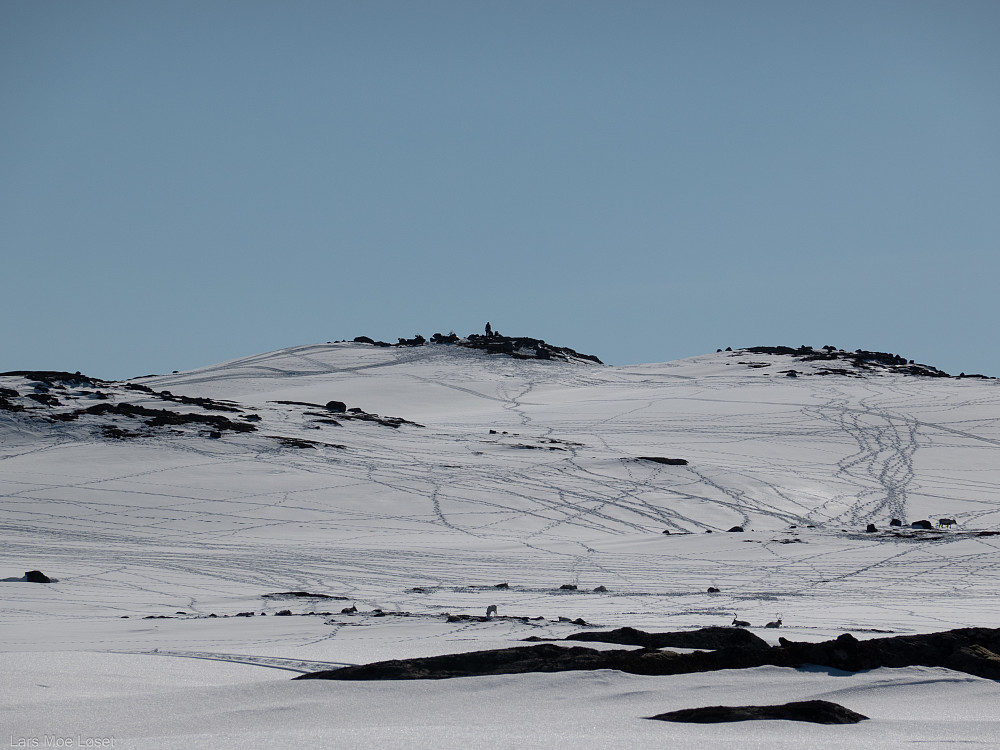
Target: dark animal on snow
774,623
491,610
947,522
740,623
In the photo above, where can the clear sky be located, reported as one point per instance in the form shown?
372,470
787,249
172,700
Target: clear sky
187,182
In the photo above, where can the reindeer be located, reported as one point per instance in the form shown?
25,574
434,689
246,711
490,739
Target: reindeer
946,522
491,610
740,623
774,623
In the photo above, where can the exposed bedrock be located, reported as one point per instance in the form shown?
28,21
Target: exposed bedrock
817,712
971,650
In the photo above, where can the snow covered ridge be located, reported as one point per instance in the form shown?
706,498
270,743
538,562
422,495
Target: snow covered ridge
125,410
840,362
165,510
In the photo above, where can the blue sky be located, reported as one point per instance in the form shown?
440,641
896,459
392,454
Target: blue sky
187,182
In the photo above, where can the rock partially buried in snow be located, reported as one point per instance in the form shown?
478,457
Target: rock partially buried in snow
817,712
36,576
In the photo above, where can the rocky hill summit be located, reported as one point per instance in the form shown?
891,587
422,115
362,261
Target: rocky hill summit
855,363
493,342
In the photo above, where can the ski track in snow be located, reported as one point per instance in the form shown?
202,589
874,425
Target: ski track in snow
554,497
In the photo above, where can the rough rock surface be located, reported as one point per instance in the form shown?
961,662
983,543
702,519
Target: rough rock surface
971,650
818,712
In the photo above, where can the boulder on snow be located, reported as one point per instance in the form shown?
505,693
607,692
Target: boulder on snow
817,712
36,576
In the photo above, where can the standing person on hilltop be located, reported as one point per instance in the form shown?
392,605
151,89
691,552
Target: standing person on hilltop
489,330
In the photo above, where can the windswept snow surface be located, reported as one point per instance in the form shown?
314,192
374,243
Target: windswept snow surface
518,471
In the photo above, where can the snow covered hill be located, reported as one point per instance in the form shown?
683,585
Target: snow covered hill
408,483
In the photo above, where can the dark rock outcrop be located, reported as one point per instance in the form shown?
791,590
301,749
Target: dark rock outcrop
662,460
971,650
817,712
36,576
705,638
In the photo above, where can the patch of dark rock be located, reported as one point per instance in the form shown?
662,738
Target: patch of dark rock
662,460
52,377
301,595
336,406
922,524
8,393
970,650
504,586
713,639
712,590
354,413
36,576
440,338
291,442
7,405
859,361
117,433
735,530
988,533
417,340
252,417
872,528
158,417
521,347
363,340
483,618
601,590
158,617
45,398
816,711
568,587
205,403
245,614
283,613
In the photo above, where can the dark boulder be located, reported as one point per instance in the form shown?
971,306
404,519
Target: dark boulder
871,528
338,406
924,524
735,529
817,712
36,576
895,522
662,460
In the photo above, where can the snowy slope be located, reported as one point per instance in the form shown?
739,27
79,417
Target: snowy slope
527,472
